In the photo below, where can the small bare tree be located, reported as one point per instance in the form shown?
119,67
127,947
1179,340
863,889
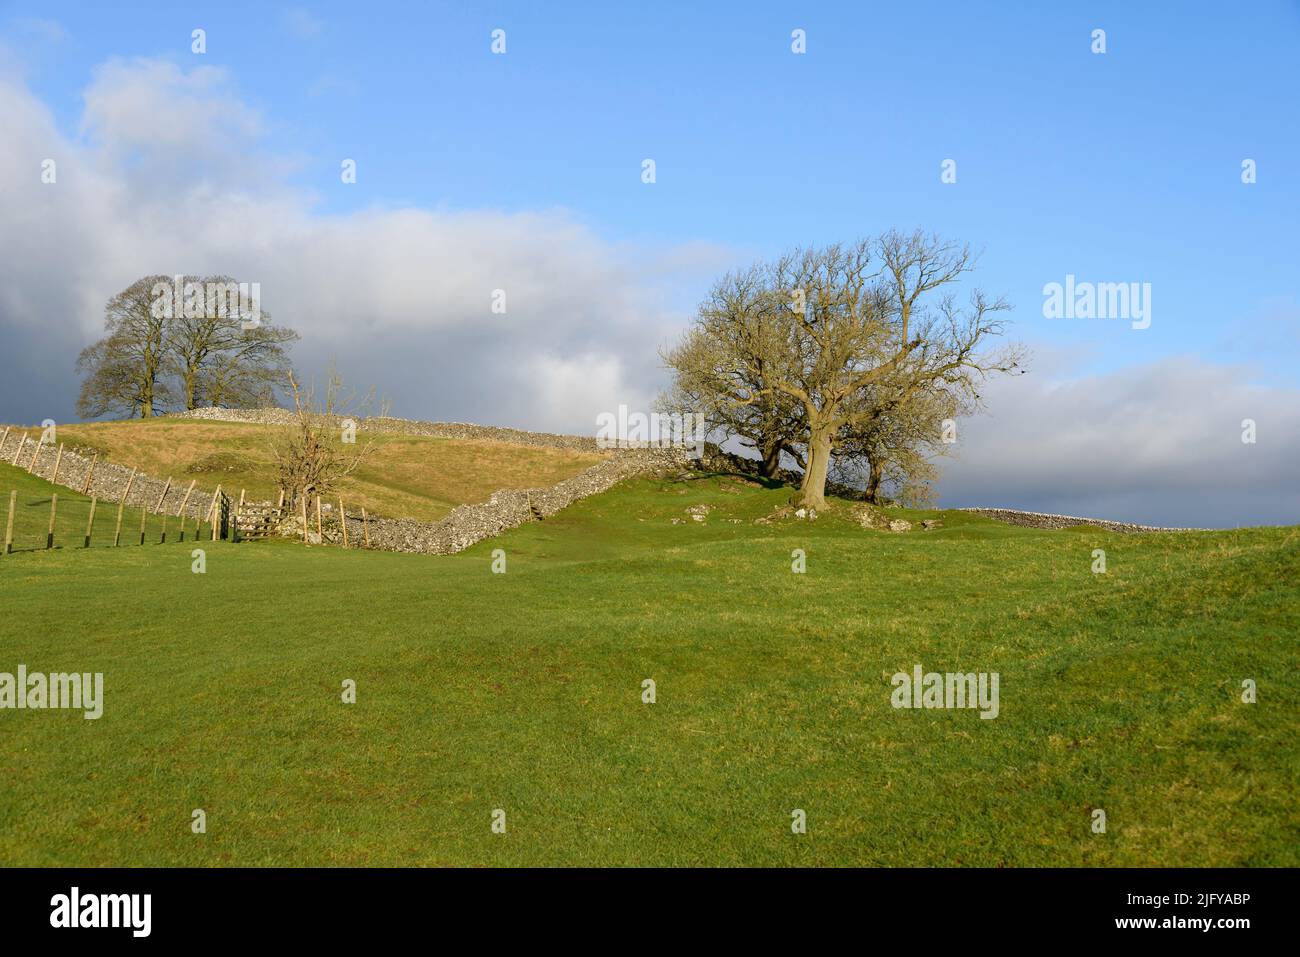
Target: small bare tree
320,450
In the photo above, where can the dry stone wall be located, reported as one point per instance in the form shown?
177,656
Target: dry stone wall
1045,520
108,482
437,430
510,508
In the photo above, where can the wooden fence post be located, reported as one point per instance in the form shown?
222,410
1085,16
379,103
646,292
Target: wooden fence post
144,512
58,460
320,531
365,526
166,488
214,514
22,442
343,520
186,500
31,466
117,531
180,512
90,522
212,507
9,525
304,515
90,476
163,539
49,536
4,438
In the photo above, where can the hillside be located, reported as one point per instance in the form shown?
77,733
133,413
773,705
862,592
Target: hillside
522,691
406,476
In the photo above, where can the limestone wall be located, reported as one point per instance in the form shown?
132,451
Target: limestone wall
1014,516
109,480
439,430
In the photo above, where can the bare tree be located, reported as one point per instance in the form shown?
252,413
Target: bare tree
159,351
846,328
319,449
124,370
218,357
737,398
892,442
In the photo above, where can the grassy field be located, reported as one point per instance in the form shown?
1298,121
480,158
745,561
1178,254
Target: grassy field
71,514
406,476
522,691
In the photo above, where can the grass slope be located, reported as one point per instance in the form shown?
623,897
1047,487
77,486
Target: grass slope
406,476
522,691
71,513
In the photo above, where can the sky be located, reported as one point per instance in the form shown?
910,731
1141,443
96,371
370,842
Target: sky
522,171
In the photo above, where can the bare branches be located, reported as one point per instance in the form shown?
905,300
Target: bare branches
182,341
314,455
845,343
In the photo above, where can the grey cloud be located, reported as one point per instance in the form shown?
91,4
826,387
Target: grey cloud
1157,444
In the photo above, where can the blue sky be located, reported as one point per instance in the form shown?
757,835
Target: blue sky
1119,167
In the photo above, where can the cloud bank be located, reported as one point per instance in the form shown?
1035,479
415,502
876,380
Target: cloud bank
1157,443
164,176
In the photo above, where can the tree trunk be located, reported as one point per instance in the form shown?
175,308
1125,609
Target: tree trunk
813,491
771,459
874,478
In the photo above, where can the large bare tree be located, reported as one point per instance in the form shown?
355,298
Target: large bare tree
125,369
849,329
160,352
218,357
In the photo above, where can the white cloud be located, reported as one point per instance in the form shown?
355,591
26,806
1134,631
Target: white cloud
167,178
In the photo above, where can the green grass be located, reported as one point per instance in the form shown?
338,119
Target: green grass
522,691
71,512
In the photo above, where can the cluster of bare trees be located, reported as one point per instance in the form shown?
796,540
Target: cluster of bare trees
159,355
847,357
